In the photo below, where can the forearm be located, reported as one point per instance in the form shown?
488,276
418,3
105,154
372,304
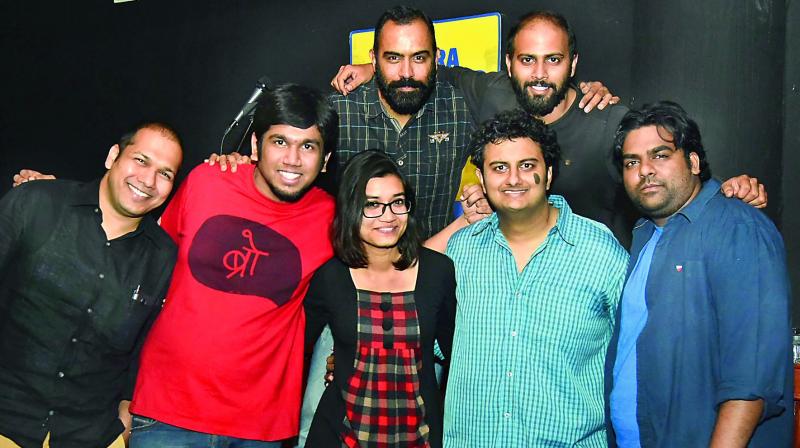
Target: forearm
439,241
736,421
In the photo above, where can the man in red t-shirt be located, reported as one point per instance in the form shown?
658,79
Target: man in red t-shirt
225,358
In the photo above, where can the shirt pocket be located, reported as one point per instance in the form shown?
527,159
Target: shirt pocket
125,318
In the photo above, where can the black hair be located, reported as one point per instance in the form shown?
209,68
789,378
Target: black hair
672,118
511,125
402,15
300,107
350,201
161,127
548,16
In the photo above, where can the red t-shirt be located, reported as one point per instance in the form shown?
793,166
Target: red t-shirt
226,354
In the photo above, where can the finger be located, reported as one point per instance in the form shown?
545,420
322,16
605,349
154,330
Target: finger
762,196
592,103
753,192
223,163
605,101
614,100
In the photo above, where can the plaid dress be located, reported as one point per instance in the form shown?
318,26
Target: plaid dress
383,404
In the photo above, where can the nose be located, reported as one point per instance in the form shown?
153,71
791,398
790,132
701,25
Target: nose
292,157
406,69
646,169
388,215
513,176
148,178
539,71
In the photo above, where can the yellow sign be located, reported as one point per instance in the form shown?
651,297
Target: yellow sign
472,42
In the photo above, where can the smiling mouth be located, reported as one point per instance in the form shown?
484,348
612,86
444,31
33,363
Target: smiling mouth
289,176
138,193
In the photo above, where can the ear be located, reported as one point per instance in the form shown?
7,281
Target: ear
549,178
254,148
113,153
694,163
480,178
372,58
508,65
574,65
325,163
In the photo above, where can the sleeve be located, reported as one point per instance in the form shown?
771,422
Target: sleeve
317,314
447,310
750,291
473,84
171,219
13,214
617,271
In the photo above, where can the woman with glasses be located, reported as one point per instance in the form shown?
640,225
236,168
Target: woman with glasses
386,299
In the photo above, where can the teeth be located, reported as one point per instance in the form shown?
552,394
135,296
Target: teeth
138,192
539,88
289,176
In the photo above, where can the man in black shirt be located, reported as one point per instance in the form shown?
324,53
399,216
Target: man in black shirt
83,270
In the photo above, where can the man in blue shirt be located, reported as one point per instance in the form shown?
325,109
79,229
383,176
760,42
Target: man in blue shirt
701,355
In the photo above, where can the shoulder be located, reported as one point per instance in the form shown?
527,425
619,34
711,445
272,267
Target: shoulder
721,211
320,199
595,238
160,238
331,270
435,260
57,188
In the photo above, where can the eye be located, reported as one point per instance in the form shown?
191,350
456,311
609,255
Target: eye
661,155
526,60
309,147
166,175
629,163
279,142
420,58
500,168
554,59
399,202
392,58
372,205
140,160
526,165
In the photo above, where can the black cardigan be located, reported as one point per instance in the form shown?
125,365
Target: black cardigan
331,300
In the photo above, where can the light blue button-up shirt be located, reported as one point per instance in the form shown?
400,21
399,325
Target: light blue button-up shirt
529,347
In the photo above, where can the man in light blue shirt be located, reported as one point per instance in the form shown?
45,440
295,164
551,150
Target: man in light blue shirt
537,290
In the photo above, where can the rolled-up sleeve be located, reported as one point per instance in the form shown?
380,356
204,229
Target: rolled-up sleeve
751,297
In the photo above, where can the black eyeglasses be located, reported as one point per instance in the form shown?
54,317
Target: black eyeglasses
373,209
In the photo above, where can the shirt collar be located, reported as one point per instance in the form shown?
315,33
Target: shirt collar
564,227
695,208
88,194
373,106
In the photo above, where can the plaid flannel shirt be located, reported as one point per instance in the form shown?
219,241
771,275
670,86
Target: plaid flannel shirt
430,150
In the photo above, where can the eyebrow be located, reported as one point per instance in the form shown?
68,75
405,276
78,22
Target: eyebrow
148,158
396,195
394,53
650,151
283,137
544,56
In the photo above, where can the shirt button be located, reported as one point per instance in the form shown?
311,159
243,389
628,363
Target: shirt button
519,296
509,374
74,340
51,413
89,310
101,276
400,162
513,333
108,244
61,374
97,210
567,162
507,414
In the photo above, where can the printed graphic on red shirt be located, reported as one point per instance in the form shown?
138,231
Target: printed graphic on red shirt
239,256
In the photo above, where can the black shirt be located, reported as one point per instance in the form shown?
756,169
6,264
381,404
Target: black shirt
74,310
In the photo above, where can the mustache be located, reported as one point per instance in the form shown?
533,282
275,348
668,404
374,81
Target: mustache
406,82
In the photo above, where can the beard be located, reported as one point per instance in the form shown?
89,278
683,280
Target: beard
539,105
405,103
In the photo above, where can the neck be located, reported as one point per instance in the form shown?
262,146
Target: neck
381,259
528,225
401,119
663,221
114,224
562,107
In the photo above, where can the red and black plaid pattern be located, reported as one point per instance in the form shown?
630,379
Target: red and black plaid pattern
382,399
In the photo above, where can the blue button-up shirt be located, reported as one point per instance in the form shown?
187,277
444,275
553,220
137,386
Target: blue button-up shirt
718,325
529,347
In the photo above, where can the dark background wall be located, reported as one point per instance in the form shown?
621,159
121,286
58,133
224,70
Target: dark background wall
76,75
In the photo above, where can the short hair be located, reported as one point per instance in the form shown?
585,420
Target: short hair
514,124
300,107
683,131
350,201
547,16
402,15
164,129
